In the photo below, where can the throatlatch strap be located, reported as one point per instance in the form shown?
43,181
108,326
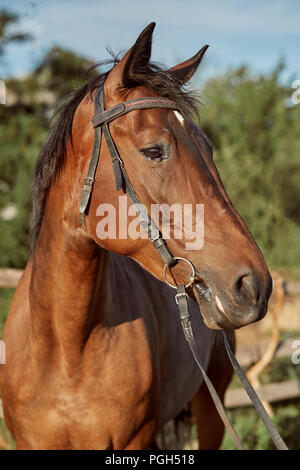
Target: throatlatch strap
90,177
115,157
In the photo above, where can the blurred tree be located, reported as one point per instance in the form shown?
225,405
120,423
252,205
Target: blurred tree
6,20
24,123
21,135
62,70
255,134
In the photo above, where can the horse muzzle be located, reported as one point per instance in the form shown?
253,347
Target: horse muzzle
246,302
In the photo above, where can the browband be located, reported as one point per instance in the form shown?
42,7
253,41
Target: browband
124,108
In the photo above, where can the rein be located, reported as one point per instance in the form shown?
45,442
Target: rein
101,121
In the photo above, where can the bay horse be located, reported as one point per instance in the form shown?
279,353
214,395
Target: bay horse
96,358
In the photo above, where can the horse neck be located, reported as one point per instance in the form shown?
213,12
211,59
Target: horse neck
69,278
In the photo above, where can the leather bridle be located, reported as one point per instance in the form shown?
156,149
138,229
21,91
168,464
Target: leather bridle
101,121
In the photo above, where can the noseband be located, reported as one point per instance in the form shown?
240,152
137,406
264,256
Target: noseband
101,121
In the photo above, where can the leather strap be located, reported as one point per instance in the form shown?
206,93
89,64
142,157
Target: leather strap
274,434
147,223
185,318
124,108
90,177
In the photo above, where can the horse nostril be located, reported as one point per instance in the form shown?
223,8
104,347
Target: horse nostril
247,286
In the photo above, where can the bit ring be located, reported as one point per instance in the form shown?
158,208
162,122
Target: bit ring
192,277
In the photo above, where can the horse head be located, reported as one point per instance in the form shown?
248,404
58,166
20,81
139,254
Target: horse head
170,163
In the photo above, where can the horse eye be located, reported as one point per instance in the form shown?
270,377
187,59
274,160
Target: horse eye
154,153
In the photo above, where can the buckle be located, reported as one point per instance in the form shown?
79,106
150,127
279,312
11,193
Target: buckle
116,157
89,180
182,294
154,235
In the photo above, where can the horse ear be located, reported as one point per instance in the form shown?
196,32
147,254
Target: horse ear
184,71
138,59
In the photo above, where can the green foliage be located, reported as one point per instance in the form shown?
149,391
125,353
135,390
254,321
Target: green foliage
255,134
246,421
6,440
24,123
5,300
62,70
280,370
21,136
252,431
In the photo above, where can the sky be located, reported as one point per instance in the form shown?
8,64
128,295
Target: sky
255,33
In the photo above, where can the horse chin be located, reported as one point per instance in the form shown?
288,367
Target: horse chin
218,317
214,319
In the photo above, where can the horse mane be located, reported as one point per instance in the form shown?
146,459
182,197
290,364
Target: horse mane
52,155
